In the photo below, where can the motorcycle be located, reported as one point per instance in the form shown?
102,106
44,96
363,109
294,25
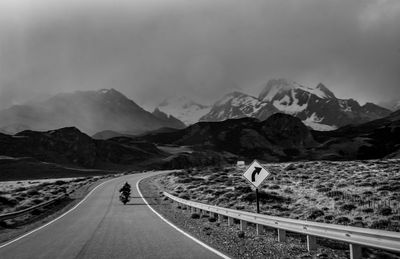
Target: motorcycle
125,193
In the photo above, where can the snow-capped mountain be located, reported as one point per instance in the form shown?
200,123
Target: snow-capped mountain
239,105
317,107
184,109
90,111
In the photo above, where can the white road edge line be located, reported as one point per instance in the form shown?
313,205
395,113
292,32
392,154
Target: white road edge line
178,229
59,217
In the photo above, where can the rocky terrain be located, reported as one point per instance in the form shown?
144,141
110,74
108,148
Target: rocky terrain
71,148
283,137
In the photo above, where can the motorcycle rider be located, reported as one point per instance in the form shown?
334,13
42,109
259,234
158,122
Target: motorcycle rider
125,193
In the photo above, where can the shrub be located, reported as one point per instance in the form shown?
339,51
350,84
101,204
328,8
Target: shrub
8,201
333,194
288,190
239,207
290,167
385,211
184,196
212,219
329,217
241,234
342,220
380,224
323,189
184,180
195,216
395,218
313,214
368,210
32,192
37,201
348,207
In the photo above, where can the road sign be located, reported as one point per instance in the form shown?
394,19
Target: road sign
256,173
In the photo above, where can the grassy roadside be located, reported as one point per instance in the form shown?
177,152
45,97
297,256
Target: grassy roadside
11,229
230,240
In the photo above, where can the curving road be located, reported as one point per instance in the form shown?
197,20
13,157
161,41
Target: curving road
101,227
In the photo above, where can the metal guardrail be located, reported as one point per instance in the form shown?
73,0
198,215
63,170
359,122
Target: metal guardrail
15,214
356,237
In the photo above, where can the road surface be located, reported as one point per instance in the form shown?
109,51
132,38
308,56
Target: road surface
102,227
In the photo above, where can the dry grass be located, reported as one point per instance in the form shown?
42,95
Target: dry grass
19,195
356,193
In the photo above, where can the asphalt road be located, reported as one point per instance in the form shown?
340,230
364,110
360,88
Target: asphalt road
102,227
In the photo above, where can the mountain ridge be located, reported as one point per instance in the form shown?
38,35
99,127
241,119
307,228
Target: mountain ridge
317,107
90,111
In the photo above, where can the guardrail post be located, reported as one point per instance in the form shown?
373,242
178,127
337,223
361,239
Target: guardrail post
220,218
230,221
259,229
281,235
355,251
243,225
311,243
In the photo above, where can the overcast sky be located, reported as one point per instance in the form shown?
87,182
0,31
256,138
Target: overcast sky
153,49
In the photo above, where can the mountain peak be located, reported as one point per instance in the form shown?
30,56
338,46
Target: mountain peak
328,93
112,93
276,88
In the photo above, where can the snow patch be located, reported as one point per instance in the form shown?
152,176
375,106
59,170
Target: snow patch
292,109
314,122
184,109
104,91
319,126
283,86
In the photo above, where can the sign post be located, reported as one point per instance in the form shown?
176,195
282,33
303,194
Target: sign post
256,174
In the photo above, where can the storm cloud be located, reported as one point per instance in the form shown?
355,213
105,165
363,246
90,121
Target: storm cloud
154,49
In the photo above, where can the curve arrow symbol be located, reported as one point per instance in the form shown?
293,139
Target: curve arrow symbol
257,170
